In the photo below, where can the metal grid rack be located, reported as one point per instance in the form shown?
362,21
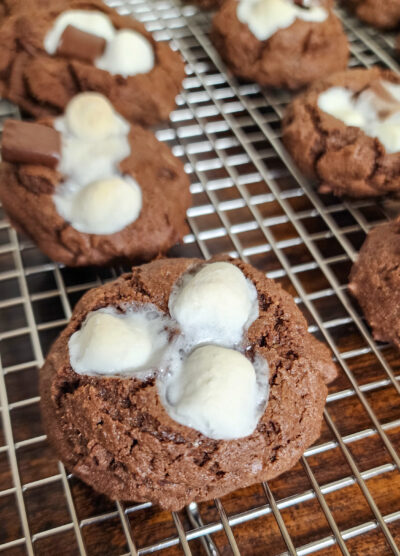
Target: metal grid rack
249,200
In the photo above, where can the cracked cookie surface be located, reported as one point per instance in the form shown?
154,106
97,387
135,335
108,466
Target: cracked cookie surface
375,281
42,85
343,159
291,57
26,192
116,435
384,15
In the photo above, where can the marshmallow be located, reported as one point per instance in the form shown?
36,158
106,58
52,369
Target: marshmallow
214,304
90,116
129,53
338,102
113,343
102,207
94,198
89,21
365,110
215,392
265,17
91,149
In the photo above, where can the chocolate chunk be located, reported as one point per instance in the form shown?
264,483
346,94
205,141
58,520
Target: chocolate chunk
75,43
30,143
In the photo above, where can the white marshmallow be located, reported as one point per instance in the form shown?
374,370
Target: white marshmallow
102,207
91,116
215,304
265,17
129,53
215,392
89,21
363,112
87,161
95,198
113,343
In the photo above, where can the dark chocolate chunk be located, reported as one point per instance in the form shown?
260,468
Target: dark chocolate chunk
30,143
75,43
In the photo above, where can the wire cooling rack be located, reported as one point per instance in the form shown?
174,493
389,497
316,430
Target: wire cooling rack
249,200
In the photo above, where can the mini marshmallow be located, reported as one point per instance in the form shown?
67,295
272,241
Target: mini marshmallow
215,392
89,21
129,53
91,116
214,304
364,111
113,343
102,207
265,17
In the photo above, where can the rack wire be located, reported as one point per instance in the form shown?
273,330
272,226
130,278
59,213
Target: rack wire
249,200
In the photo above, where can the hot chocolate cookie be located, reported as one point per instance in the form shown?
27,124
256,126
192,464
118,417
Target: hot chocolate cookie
89,188
344,131
375,281
382,14
281,43
182,381
79,45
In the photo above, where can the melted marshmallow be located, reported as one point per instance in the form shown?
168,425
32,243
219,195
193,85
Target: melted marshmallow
365,111
214,304
127,52
215,391
94,197
113,343
102,207
265,17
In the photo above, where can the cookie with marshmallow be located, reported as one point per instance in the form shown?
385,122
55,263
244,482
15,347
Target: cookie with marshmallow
375,281
344,133
89,188
383,15
280,43
74,46
145,397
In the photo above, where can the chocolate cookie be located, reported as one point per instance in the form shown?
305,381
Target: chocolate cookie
375,281
344,132
78,45
122,431
89,188
382,14
280,43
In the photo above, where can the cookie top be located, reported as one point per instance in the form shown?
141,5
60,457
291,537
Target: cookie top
384,15
154,427
344,132
79,45
261,40
375,281
91,189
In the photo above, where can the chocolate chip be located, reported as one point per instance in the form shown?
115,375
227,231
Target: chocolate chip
78,44
30,143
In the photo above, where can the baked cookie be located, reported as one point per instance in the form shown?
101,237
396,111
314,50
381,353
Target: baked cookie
375,281
344,132
280,43
183,381
78,45
384,14
89,188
